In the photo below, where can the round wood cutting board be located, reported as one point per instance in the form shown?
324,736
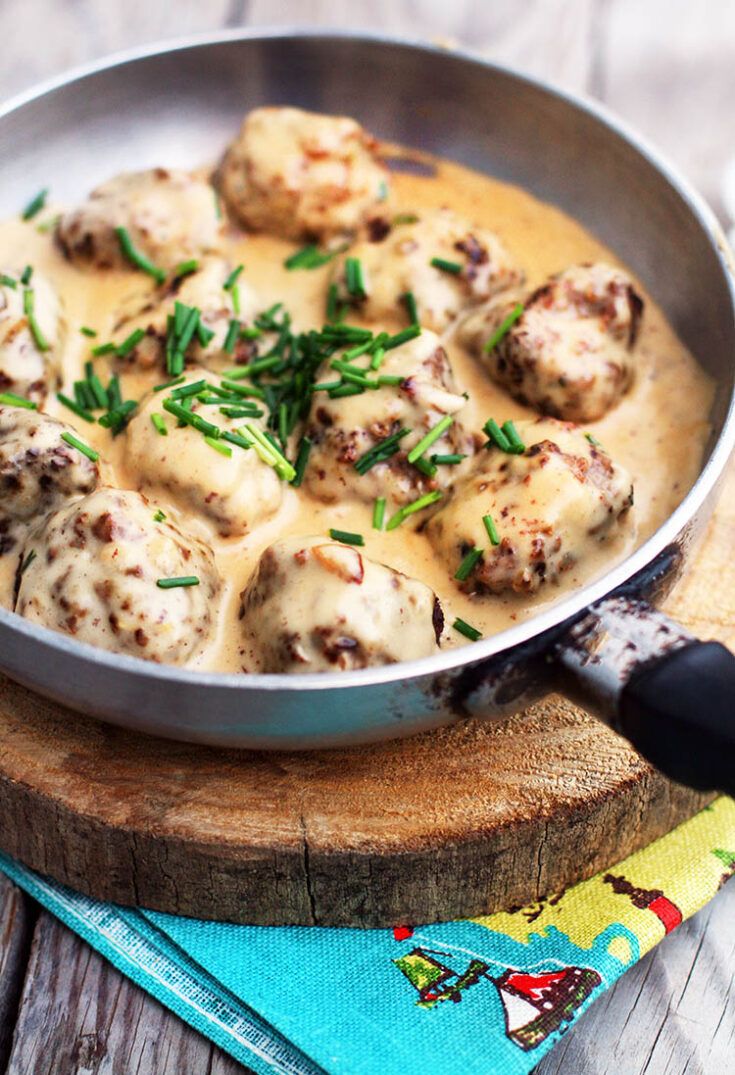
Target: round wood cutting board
458,822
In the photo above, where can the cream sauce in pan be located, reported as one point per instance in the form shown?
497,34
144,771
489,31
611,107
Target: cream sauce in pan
657,432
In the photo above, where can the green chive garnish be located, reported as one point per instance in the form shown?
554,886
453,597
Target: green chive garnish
75,408
496,435
35,205
379,513
517,447
238,439
354,280
404,336
171,584
505,326
130,343
593,440
452,267
492,530
8,281
140,261
308,257
427,468
114,396
332,313
189,419
11,400
232,278
95,387
451,459
40,340
219,447
381,451
302,458
269,453
186,268
409,301
346,390
25,276
346,537
159,424
404,218
28,561
468,565
159,516
390,379
467,630
426,442
80,446
118,418
410,509
170,384
188,389
104,349
231,337
87,331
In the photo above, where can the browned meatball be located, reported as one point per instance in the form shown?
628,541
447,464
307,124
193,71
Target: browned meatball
570,353
171,216
401,261
95,573
313,605
301,175
343,429
552,506
38,470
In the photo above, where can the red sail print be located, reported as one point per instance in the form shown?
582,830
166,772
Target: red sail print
647,899
402,933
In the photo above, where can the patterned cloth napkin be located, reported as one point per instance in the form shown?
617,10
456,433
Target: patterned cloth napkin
481,996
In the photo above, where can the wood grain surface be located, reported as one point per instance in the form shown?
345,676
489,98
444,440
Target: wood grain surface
666,66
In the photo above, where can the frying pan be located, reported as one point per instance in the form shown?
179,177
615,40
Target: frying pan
605,644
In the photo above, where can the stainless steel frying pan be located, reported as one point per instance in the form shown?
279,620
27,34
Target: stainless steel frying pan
178,105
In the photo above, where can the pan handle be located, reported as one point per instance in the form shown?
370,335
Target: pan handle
670,695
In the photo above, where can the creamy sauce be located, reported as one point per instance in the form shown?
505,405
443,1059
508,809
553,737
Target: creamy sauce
657,432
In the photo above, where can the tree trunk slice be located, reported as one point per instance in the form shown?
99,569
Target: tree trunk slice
461,821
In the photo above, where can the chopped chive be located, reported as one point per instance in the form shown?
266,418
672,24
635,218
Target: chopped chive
98,392
236,438
452,267
248,333
382,191
517,447
140,261
409,301
354,280
83,396
434,433
242,389
169,384
379,513
410,509
377,358
466,629
8,281
468,565
87,331
504,327
380,452
235,293
350,374
332,313
404,336
496,435
159,424
186,268
404,218
231,337
114,396
189,419
27,562
593,440
325,386
390,379
11,400
130,342
159,516
48,225
357,350
117,419
38,337
104,349
170,584
346,390
232,278
283,423
269,453
241,412
492,530
35,205
302,458
188,389
80,446
25,276
451,459
427,468
218,446
308,257
81,412
204,335
346,537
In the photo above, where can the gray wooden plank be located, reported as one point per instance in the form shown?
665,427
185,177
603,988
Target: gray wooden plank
16,927
671,1014
80,1016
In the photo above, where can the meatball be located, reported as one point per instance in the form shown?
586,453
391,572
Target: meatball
570,353
28,364
203,289
38,470
301,175
344,429
234,493
316,606
552,506
171,216
95,573
401,261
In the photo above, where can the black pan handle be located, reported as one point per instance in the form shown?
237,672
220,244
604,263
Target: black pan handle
671,695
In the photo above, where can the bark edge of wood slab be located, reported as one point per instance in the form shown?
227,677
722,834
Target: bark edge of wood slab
459,822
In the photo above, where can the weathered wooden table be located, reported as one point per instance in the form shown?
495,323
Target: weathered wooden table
667,66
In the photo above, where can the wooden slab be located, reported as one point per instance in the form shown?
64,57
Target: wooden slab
461,821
